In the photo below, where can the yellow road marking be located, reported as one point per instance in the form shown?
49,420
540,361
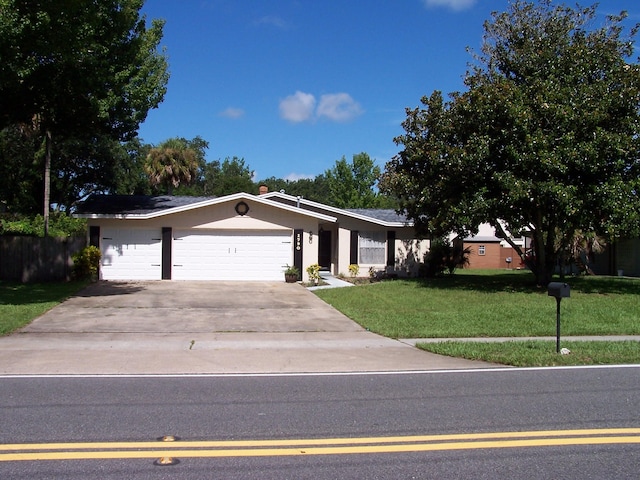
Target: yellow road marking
323,446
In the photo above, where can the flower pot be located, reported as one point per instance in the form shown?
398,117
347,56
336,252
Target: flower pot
291,277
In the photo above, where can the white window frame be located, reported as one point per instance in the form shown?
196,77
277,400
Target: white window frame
482,250
372,248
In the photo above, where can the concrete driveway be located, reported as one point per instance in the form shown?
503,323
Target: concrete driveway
166,327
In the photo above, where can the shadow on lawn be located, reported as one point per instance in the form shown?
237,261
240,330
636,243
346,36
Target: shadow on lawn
13,293
524,282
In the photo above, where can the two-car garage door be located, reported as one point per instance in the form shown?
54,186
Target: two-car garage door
220,255
136,254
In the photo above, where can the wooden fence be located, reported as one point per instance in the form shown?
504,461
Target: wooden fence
31,259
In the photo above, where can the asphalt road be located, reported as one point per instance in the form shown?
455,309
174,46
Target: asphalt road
340,426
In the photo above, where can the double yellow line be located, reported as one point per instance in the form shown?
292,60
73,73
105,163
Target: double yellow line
314,446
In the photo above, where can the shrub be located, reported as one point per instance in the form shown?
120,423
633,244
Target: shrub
354,269
444,256
86,263
60,225
314,273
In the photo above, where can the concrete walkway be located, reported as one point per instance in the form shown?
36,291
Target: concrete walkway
331,282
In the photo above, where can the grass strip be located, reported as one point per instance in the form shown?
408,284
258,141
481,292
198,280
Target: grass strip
540,353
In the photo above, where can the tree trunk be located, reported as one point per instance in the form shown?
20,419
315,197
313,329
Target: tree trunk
47,180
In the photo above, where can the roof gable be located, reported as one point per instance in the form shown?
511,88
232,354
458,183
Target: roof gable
145,207
383,217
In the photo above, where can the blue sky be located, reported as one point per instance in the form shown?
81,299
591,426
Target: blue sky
291,86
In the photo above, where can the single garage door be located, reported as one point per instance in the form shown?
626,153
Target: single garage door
131,254
230,255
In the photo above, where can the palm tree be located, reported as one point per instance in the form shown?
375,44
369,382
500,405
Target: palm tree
171,164
582,248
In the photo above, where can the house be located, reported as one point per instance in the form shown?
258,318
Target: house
491,252
242,237
619,258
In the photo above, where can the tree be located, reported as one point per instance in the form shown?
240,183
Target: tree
230,176
20,177
544,139
78,69
315,189
129,175
172,163
351,185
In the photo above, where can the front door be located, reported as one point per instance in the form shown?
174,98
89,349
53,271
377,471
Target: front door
324,249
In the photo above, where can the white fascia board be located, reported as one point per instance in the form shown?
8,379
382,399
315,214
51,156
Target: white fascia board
213,201
336,210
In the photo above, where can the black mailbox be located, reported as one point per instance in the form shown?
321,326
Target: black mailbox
558,290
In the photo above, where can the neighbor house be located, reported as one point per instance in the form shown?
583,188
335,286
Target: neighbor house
243,237
491,252
619,258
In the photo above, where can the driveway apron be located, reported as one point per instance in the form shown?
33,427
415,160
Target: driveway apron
170,327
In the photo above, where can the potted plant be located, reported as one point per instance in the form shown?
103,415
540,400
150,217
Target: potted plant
291,274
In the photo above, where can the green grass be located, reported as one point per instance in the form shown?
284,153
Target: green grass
501,304
21,303
476,303
541,353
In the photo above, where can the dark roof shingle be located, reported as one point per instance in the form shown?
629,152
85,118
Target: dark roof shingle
133,204
384,215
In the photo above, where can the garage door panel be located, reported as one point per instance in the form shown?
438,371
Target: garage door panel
217,255
130,254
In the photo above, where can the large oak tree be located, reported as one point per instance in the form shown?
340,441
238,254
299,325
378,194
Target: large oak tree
544,140
78,69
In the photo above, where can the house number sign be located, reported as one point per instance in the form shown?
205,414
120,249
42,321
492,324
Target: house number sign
298,241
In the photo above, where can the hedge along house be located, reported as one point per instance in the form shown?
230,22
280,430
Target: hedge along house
235,237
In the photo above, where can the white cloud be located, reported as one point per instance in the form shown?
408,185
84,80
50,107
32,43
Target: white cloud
298,107
339,107
231,112
272,20
456,5
292,177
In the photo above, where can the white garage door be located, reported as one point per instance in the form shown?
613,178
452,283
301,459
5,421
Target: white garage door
131,254
219,255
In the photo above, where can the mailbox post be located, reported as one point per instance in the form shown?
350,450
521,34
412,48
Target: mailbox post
559,290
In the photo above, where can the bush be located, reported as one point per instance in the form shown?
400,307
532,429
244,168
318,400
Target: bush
60,225
354,269
314,273
444,256
86,263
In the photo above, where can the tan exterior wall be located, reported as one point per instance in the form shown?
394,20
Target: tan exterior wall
408,251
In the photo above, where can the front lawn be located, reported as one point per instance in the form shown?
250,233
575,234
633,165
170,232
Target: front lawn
476,303
20,303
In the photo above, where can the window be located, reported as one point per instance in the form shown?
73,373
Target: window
481,250
372,248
